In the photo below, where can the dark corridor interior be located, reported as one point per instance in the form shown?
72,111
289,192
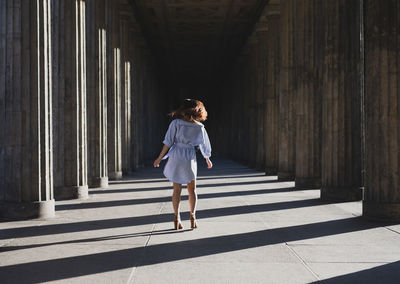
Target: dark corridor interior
195,45
196,42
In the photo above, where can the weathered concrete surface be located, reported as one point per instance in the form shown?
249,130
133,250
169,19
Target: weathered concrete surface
26,124
382,116
287,94
97,93
70,96
308,94
341,151
113,43
252,229
271,93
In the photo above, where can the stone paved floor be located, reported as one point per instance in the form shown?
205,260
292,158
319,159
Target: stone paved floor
252,229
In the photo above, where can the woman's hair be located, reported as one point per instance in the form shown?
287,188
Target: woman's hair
190,110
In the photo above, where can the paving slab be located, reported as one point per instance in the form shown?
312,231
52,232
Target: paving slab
252,229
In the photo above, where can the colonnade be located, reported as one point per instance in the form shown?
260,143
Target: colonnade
77,85
314,98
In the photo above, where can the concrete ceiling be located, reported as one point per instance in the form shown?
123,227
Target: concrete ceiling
196,39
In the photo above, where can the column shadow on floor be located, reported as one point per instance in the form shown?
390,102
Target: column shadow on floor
127,202
236,183
68,267
99,239
388,273
135,180
23,232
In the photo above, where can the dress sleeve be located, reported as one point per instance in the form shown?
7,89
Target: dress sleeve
170,135
205,147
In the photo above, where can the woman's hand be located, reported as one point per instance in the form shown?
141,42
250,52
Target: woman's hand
209,163
164,151
157,162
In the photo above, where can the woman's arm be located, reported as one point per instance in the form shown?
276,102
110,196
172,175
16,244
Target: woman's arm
205,149
162,154
168,142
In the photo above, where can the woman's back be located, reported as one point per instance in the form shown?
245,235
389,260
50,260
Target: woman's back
189,132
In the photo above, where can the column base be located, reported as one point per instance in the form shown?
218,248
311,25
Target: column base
115,175
101,182
271,171
307,183
341,193
71,192
27,210
285,176
381,211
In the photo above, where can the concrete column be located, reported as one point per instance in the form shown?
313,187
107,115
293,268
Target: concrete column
271,92
242,121
260,50
114,92
147,104
26,160
137,56
251,93
287,95
135,107
127,118
382,115
126,97
139,84
246,106
71,121
237,120
97,93
341,94
308,102
58,79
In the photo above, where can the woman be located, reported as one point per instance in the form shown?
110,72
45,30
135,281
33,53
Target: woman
184,133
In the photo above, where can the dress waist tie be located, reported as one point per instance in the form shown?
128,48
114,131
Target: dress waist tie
179,145
183,145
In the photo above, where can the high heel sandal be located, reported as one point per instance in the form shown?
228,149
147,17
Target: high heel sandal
177,223
193,222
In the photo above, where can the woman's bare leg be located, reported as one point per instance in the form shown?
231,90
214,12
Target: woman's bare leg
176,197
192,196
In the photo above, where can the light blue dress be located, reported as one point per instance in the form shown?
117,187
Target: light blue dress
182,136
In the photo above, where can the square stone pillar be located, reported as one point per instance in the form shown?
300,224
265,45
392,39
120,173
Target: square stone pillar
71,119
251,100
247,110
341,107
261,53
26,153
382,114
308,95
114,151
97,92
136,87
271,92
287,95
242,122
126,90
